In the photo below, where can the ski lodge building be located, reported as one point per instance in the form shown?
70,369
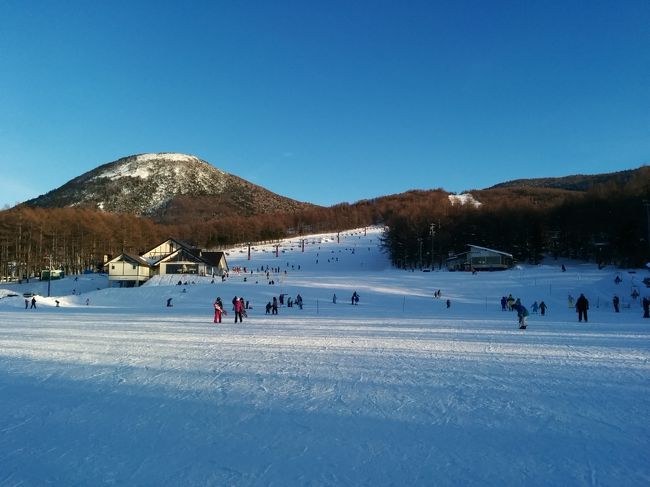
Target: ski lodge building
170,257
480,259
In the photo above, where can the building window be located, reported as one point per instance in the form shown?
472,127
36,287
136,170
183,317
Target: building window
113,266
134,267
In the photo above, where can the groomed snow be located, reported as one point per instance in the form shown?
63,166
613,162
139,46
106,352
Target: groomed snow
399,390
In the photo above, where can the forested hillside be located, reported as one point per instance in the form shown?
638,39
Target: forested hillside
607,223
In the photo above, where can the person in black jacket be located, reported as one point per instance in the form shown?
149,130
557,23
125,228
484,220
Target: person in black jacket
582,305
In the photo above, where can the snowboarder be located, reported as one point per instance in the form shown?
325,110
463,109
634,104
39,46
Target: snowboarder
448,303
615,302
218,310
522,313
582,305
169,302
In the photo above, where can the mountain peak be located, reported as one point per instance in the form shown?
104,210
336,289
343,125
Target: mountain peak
152,184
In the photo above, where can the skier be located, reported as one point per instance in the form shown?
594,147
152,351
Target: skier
334,298
33,302
615,302
448,303
504,303
646,307
239,309
522,313
218,310
268,308
169,302
582,305
535,307
299,301
274,306
542,308
510,302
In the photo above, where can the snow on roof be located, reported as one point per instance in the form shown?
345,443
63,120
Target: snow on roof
489,250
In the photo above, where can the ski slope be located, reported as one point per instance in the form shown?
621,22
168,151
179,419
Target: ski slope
115,388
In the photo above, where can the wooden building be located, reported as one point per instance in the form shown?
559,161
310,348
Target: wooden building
169,257
480,259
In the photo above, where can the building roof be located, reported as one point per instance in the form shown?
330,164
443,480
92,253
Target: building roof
490,250
213,258
135,259
456,256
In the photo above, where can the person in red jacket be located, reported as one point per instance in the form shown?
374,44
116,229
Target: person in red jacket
218,310
239,310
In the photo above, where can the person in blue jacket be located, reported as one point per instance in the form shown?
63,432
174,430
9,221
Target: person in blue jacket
522,313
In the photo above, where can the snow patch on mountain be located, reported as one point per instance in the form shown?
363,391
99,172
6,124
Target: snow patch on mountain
464,199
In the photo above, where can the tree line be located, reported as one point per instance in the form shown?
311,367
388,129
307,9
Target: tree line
607,224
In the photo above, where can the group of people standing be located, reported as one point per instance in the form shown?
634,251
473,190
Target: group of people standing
239,306
272,306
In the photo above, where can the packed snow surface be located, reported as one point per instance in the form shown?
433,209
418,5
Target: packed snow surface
113,387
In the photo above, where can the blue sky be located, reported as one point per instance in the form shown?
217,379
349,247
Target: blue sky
325,102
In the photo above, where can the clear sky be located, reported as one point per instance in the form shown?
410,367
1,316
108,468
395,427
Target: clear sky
325,101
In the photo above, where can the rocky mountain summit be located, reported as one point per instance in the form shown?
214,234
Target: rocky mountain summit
164,186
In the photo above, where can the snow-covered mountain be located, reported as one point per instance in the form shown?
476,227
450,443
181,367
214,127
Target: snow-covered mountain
163,183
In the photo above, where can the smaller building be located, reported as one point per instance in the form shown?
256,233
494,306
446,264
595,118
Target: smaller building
127,269
52,275
480,259
170,257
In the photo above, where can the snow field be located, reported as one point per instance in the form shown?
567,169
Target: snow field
398,390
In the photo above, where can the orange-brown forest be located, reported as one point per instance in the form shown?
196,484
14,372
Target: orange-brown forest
606,223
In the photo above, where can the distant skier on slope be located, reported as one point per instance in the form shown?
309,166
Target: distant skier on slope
542,308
